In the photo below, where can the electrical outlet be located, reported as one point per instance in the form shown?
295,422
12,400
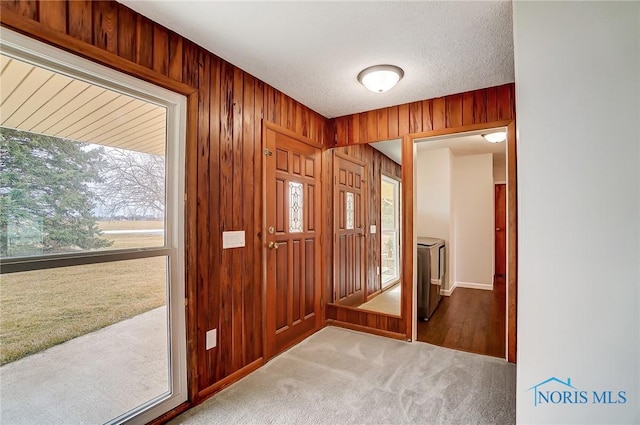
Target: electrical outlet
212,339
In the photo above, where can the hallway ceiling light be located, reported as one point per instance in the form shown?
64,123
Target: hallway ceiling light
497,137
380,78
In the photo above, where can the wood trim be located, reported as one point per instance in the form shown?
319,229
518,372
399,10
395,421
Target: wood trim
406,234
230,379
350,158
461,129
282,130
11,20
366,329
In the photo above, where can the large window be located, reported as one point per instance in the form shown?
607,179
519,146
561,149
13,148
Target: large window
91,242
390,230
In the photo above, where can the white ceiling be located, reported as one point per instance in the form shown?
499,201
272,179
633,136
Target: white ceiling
313,51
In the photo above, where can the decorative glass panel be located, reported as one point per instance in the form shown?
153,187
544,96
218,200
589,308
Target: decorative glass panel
296,195
350,211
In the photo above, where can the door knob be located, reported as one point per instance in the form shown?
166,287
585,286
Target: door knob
274,245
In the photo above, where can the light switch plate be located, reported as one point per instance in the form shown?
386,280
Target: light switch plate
212,339
378,270
373,229
233,239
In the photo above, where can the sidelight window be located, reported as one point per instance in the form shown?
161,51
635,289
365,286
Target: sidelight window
390,230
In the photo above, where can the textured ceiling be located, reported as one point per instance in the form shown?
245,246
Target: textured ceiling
313,51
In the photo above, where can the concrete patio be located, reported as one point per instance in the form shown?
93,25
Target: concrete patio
90,379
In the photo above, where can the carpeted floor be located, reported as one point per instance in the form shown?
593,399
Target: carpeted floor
339,376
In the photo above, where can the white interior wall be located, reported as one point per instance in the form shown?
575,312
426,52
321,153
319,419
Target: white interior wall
473,219
578,100
433,198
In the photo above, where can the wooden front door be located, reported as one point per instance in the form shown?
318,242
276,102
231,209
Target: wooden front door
292,239
349,231
501,230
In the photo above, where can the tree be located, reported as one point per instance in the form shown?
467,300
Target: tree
132,184
46,203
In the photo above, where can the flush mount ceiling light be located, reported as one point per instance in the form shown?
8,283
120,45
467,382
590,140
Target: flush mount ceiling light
497,137
380,78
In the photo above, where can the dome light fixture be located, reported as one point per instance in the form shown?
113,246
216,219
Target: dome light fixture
380,78
497,137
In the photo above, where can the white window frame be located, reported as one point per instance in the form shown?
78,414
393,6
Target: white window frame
32,51
396,230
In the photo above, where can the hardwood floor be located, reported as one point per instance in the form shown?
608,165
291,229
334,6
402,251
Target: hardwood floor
469,320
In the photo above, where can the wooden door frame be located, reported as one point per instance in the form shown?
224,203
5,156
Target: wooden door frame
320,317
408,230
495,257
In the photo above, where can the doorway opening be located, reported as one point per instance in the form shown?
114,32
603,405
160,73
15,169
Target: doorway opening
461,184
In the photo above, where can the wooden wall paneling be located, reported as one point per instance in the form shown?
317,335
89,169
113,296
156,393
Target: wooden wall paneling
372,126
258,116
341,130
53,14
454,110
363,127
353,130
160,49
210,317
225,329
468,107
144,42
237,263
415,117
504,102
126,32
439,113
403,119
479,106
250,308
393,126
105,24
383,123
200,63
80,20
197,355
175,56
427,115
25,8
492,104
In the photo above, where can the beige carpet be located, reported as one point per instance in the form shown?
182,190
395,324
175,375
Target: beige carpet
343,377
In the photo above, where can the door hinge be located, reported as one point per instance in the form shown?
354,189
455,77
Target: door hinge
267,152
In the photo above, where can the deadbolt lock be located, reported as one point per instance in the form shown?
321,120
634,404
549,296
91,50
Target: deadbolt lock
271,230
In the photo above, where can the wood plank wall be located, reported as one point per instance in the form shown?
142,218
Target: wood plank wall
226,167
457,110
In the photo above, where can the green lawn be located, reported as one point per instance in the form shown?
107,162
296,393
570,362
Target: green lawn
39,309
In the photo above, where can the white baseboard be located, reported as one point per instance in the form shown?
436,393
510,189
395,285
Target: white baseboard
473,285
448,292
